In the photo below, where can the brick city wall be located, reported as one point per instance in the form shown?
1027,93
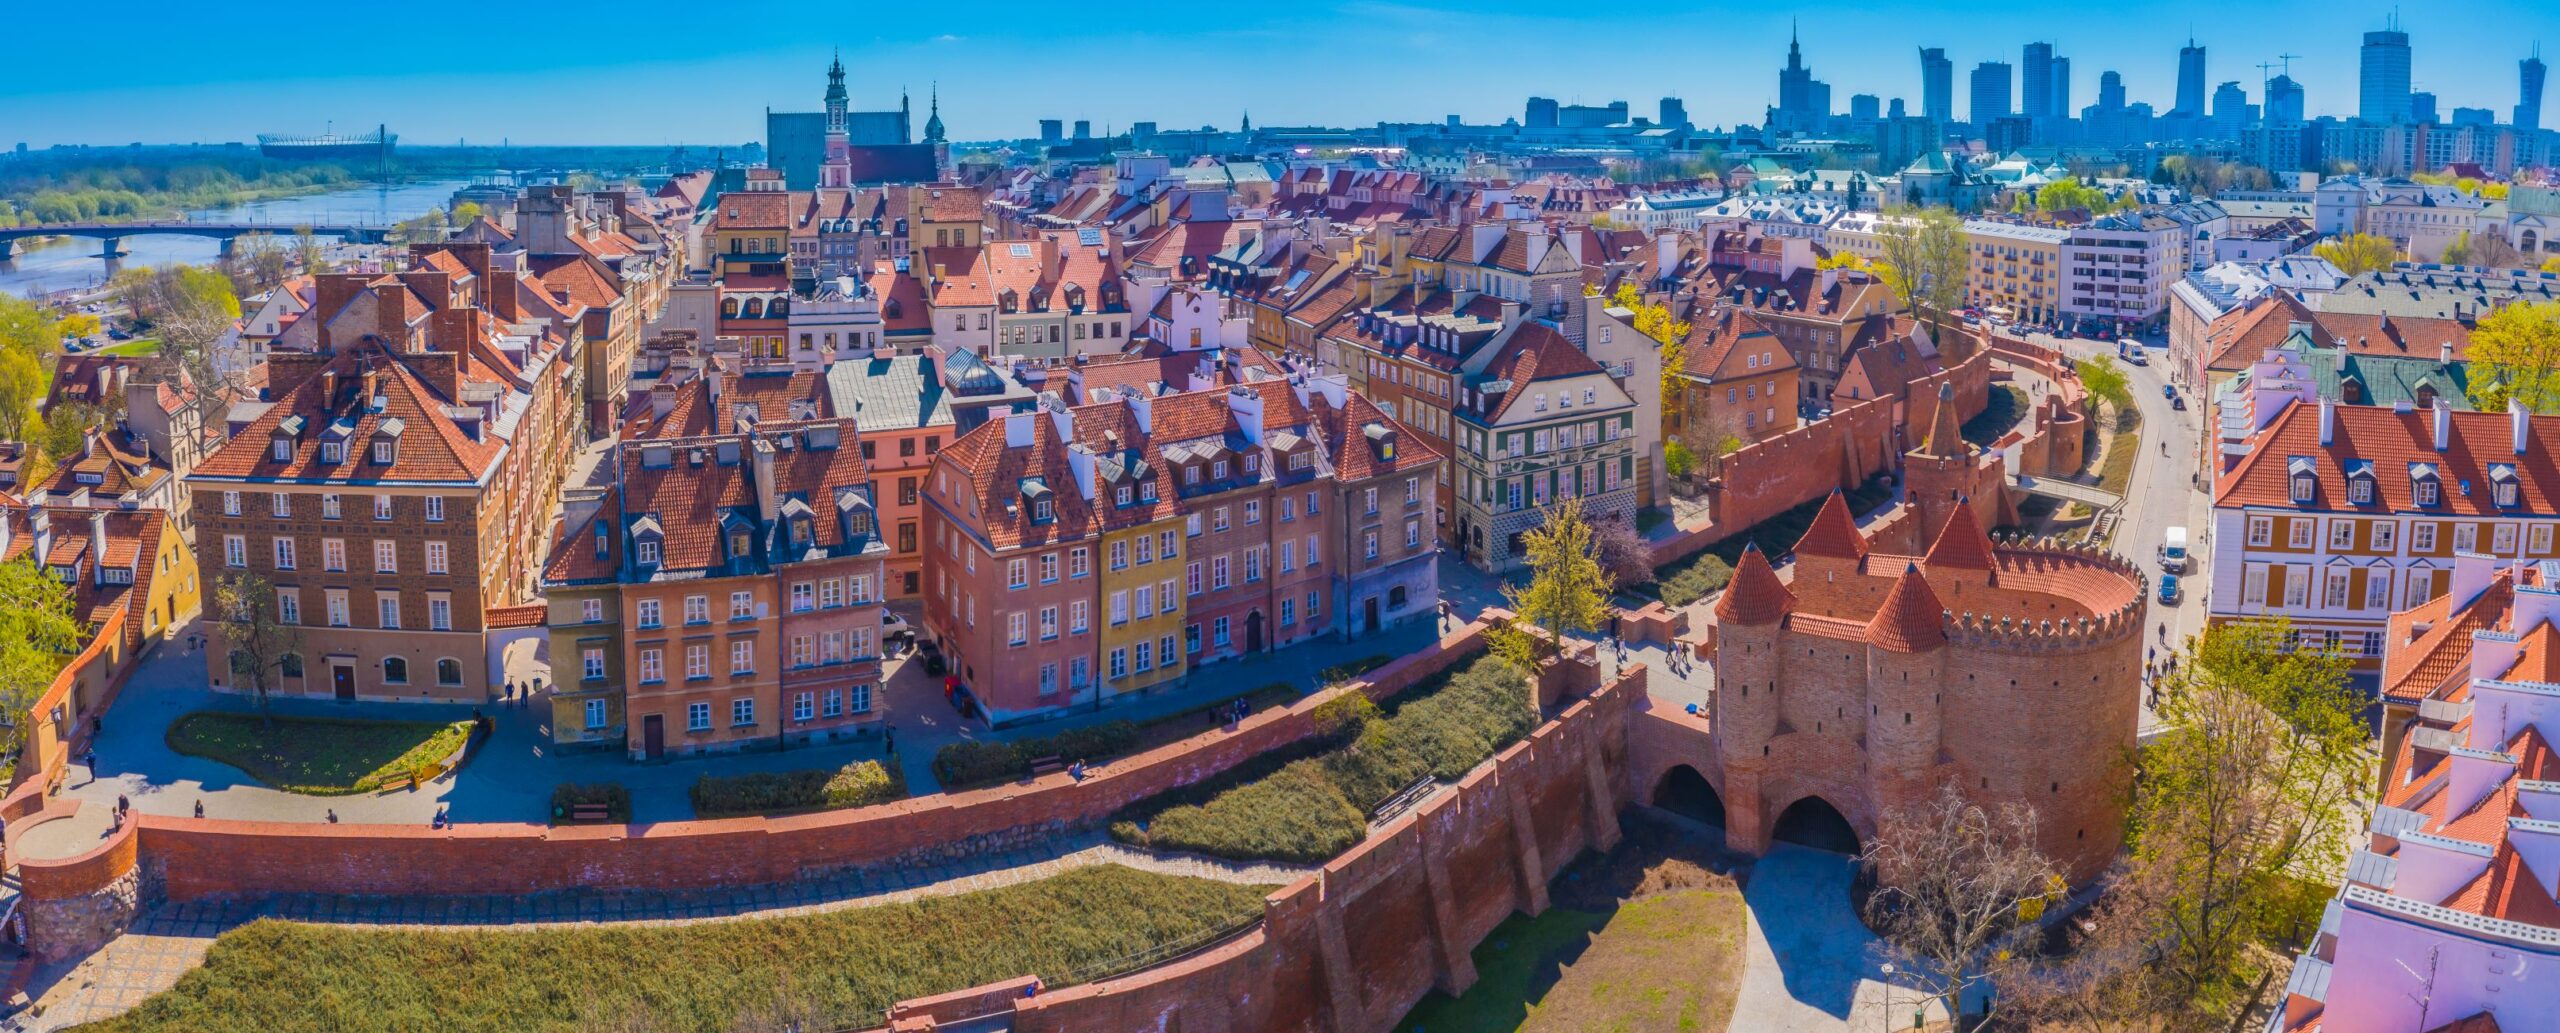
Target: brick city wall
188,858
1353,947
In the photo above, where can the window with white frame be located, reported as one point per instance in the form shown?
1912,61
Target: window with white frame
2342,534
2261,531
653,666
2377,587
697,661
742,657
2298,532
2253,587
697,717
2384,535
2333,594
2422,537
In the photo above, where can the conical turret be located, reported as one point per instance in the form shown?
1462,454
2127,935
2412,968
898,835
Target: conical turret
1755,596
1834,533
1910,620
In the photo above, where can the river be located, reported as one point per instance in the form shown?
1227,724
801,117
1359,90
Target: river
75,263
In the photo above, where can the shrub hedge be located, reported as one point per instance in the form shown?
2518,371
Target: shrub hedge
964,765
859,784
1310,803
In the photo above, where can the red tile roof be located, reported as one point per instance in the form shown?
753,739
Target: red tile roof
1961,544
2392,441
1911,619
1833,533
1754,596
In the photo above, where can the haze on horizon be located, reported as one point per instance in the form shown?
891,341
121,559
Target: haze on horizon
178,74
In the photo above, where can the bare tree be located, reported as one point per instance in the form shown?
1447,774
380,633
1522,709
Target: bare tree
254,631
1954,885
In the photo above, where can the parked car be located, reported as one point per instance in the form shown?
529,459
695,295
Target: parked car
2179,403
2168,589
2169,391
934,664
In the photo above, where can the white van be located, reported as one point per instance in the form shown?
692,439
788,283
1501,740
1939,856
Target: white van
2173,551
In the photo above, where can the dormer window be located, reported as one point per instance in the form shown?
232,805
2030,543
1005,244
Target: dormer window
2360,484
330,452
2303,477
2504,489
1121,495
284,450
384,452
2425,487
647,552
800,533
740,542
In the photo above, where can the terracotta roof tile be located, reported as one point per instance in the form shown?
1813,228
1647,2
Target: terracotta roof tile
1961,545
1911,619
1754,596
1833,533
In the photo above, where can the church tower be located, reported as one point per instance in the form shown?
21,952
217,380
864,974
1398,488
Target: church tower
836,169
837,102
933,120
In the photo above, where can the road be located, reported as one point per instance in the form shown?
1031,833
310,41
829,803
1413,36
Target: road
2165,491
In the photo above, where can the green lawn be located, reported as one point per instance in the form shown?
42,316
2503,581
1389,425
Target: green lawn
859,784
1312,801
317,756
835,970
1670,962
140,347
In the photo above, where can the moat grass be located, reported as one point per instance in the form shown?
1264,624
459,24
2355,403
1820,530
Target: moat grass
318,756
1647,939
1310,802
837,970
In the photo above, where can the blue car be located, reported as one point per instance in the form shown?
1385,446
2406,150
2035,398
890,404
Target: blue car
2168,589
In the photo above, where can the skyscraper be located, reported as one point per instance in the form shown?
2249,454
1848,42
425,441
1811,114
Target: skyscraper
1674,115
2422,108
2529,91
1990,93
1937,84
2382,80
2061,105
2110,91
2284,99
2230,110
2035,81
1803,104
2190,80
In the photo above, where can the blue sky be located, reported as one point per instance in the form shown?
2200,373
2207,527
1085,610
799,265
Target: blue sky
658,72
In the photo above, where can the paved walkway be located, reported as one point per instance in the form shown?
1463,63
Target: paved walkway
171,940
1809,965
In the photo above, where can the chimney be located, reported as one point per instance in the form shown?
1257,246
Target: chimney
2519,424
98,548
1666,253
40,527
1018,429
2444,353
2444,425
768,500
2328,422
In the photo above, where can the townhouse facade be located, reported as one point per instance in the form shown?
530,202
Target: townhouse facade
1081,554
2337,516
395,487
1538,421
723,593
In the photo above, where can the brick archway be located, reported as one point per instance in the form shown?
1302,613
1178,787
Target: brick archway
1812,821
1684,791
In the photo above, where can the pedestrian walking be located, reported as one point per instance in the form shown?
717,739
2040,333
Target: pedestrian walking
123,804
199,808
333,815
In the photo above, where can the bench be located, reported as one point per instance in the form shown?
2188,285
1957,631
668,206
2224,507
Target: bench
588,812
1046,766
400,781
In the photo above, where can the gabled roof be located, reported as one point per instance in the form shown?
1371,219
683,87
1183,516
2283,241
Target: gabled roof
1961,544
1833,533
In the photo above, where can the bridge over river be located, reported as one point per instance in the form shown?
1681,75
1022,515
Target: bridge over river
110,235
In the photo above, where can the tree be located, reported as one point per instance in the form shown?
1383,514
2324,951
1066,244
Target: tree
256,634
2256,776
1925,256
2106,381
309,253
1954,885
2067,194
256,264
64,430
26,327
2515,354
1845,260
1669,332
2493,251
1677,459
37,631
191,309
21,391
2551,266
463,213
2458,252
79,324
2359,253
1568,592
1624,553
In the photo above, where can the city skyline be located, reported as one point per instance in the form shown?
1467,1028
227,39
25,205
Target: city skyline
997,82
